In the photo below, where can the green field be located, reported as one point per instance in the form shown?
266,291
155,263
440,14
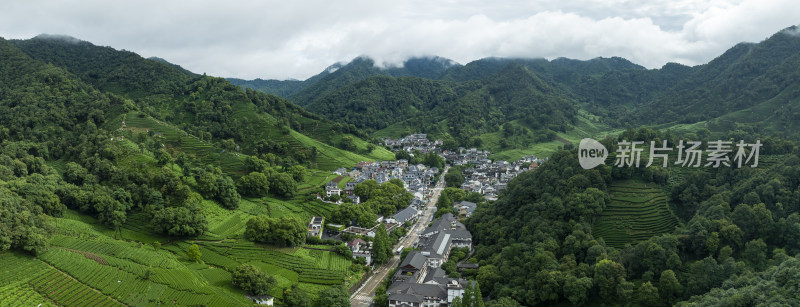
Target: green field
586,126
637,211
86,265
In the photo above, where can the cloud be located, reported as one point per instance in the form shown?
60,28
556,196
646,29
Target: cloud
297,39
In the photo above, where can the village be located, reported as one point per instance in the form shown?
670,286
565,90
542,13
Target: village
426,275
481,175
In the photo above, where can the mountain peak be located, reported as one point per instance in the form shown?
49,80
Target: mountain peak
791,31
59,37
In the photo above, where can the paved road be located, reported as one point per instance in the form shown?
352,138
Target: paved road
363,297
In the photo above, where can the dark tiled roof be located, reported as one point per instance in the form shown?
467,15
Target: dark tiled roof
442,223
415,259
436,246
470,205
405,214
408,292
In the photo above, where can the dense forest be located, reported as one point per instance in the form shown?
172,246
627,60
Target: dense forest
737,246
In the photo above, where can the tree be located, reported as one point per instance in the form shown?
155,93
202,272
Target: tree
227,195
756,253
347,143
207,184
397,182
477,296
253,164
576,290
75,173
503,302
298,173
724,253
470,298
607,276
366,189
343,250
180,221
402,155
669,286
296,297
381,247
334,297
163,158
454,179
283,185
148,273
283,231
193,253
444,205
732,234
254,184
647,295
252,280
488,275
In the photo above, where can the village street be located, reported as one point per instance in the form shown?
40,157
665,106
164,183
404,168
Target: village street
363,296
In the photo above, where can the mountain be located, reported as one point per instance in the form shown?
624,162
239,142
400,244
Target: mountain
340,75
104,154
746,77
280,88
559,70
210,108
739,90
461,110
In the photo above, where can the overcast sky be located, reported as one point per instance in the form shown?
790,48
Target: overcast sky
297,39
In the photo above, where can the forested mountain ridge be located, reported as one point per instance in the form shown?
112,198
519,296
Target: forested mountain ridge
363,67
342,74
210,108
458,110
744,76
741,89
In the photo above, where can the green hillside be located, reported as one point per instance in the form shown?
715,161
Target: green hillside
209,108
743,77
132,152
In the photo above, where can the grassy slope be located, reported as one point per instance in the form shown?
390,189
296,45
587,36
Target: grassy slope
586,126
329,157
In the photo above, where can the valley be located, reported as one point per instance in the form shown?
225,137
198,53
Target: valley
131,181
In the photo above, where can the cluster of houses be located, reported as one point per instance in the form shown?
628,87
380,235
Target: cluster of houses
360,248
489,178
420,280
414,142
485,176
415,177
465,156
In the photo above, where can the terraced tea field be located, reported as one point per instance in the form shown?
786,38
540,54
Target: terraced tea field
637,211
